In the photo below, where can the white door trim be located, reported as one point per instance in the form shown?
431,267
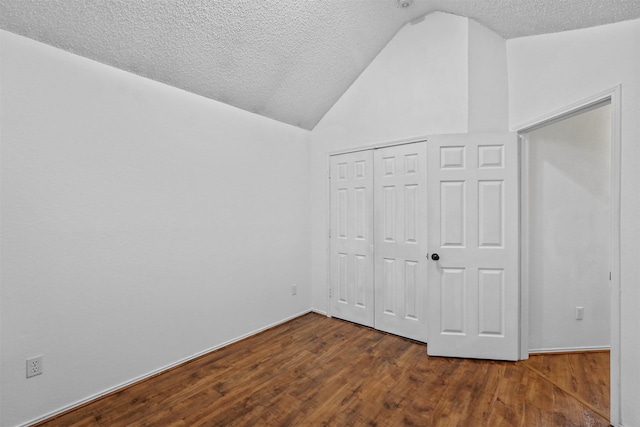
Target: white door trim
376,145
612,96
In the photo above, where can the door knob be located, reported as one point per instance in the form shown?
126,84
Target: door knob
435,257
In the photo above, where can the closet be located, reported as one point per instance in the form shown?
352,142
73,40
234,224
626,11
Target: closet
378,239
424,242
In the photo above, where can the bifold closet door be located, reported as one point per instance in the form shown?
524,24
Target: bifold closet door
351,257
400,227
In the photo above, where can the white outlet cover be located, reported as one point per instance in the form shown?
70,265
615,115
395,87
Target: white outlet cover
34,366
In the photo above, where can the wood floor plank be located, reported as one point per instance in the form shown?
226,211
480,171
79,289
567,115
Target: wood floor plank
318,371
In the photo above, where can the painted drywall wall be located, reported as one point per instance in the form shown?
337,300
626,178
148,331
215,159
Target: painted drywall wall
140,224
416,85
488,87
552,71
420,84
569,232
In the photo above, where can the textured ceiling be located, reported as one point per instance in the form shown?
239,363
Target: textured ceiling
286,59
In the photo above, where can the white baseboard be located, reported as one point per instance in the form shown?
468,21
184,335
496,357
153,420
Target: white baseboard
324,313
568,349
158,371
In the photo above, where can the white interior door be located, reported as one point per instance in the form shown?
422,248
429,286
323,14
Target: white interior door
400,240
351,245
473,238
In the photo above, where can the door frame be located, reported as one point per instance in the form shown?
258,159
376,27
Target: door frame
614,99
364,147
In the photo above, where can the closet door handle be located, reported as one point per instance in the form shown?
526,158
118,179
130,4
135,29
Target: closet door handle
435,257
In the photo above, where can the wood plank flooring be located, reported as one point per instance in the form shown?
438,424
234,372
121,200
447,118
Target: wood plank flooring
586,376
318,371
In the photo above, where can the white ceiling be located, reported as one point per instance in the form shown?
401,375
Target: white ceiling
286,59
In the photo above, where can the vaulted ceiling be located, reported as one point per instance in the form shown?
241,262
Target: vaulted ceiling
289,60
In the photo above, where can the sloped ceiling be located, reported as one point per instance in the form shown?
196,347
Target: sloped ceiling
289,60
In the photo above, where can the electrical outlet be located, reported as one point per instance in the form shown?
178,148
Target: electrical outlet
294,289
579,313
34,366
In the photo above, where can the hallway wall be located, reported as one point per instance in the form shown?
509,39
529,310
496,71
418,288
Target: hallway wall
569,232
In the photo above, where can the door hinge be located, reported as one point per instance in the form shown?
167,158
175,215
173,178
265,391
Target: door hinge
329,233
609,275
329,292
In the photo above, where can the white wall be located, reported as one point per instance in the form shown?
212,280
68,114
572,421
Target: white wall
552,71
569,232
416,85
488,87
140,225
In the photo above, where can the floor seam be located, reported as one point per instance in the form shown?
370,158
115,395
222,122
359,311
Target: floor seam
570,393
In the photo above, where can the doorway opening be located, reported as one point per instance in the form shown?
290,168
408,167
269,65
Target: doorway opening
570,233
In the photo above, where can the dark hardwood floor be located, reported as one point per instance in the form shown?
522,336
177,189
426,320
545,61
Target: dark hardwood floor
318,371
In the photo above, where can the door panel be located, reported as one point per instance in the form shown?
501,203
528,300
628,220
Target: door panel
351,243
473,227
453,213
400,240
